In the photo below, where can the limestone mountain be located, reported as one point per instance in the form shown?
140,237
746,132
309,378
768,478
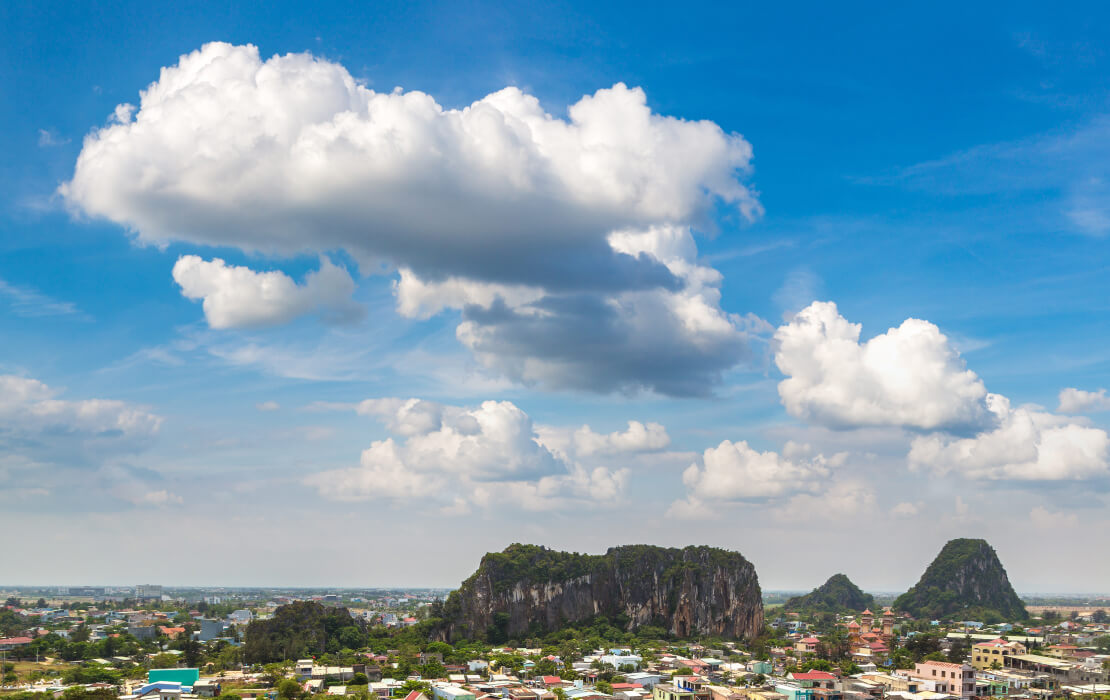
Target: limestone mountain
528,589
838,594
966,581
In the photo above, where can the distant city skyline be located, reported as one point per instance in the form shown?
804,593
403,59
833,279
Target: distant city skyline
336,295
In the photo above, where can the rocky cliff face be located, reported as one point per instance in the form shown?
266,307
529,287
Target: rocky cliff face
966,580
529,589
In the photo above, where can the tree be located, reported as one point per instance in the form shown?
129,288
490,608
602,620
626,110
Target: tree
605,687
289,689
360,678
191,651
164,661
1099,616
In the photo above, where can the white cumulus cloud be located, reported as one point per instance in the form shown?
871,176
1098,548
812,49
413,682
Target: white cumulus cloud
910,376
1045,518
238,297
47,440
734,471
29,407
498,209
457,455
1079,401
1027,445
585,442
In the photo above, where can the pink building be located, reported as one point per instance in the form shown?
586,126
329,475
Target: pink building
945,677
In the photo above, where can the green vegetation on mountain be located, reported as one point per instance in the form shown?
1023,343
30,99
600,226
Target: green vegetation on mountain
838,594
300,630
532,589
965,581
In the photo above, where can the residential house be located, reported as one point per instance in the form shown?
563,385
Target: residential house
992,654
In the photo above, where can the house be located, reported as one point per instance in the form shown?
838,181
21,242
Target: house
206,688
451,692
13,643
945,677
681,688
623,662
814,679
806,645
992,654
644,679
241,617
185,677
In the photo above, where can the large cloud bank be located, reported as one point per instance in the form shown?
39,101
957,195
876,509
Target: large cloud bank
514,205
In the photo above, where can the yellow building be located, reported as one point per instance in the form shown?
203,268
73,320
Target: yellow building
984,655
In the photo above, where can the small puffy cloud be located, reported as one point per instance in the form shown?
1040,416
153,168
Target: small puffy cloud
735,472
462,455
1027,445
522,222
1044,518
1079,401
910,376
905,509
268,406
238,297
584,442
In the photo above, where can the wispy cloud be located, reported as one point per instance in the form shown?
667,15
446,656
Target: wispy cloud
49,138
31,303
1063,170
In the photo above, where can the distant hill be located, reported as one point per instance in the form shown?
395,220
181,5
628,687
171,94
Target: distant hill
695,591
301,630
838,594
965,581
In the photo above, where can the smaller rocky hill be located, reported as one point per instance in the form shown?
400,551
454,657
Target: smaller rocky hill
838,594
965,581
302,629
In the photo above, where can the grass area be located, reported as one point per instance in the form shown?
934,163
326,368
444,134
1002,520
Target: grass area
24,669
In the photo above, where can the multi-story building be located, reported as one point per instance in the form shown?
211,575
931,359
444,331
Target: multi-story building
945,677
992,654
148,591
681,688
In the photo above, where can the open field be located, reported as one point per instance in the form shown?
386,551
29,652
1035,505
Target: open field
1065,609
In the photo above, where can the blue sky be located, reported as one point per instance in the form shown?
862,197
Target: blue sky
606,263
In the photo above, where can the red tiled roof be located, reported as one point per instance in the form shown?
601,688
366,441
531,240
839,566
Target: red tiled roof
16,640
626,686
809,640
548,680
814,676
